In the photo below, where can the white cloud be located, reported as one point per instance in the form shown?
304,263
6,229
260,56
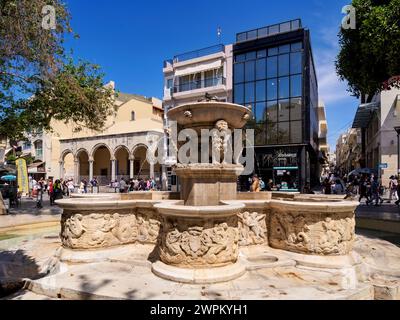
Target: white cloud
331,89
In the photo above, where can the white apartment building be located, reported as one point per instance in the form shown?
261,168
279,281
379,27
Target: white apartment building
188,77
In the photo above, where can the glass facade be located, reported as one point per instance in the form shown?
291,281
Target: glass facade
270,82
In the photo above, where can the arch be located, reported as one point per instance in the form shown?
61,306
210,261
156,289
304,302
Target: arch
99,145
102,163
122,162
136,147
65,153
121,147
78,153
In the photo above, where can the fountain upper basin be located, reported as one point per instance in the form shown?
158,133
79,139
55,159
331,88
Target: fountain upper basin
207,113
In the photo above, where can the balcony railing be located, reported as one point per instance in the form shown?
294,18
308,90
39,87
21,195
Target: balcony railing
269,30
195,54
194,85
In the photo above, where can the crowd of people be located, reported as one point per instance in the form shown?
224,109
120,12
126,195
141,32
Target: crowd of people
135,185
363,186
57,189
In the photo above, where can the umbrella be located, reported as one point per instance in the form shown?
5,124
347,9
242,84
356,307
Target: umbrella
362,171
9,178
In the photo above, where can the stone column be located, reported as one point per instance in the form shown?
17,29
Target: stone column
61,163
164,178
76,171
132,167
151,170
113,169
91,163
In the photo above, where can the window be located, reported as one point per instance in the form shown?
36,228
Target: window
249,92
239,93
262,53
250,71
272,67
260,112
283,65
169,83
283,132
295,109
261,69
240,58
284,88
295,62
272,111
272,132
133,116
297,46
262,32
251,55
272,89
260,90
295,86
284,110
239,72
284,49
295,132
272,51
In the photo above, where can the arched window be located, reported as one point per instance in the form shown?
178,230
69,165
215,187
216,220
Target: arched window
133,116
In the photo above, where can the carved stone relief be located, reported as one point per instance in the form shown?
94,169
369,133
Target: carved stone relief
310,233
252,228
105,229
198,243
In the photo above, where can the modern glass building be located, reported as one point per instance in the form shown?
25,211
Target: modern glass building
274,75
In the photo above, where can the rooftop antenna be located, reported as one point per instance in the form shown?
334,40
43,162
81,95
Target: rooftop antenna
219,33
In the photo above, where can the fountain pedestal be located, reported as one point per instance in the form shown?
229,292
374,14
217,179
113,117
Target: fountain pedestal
208,184
199,244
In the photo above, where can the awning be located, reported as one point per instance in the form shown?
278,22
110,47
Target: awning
35,164
199,68
37,167
364,114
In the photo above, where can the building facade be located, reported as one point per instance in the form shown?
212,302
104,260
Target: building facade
379,142
118,151
274,75
348,151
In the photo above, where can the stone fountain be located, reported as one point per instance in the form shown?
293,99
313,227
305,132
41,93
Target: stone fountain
210,233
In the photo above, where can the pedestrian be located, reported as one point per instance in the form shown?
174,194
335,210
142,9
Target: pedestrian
393,188
375,189
71,187
363,191
327,186
270,185
255,186
262,184
94,183
338,187
122,186
50,189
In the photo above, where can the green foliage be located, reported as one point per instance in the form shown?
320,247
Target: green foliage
38,82
369,54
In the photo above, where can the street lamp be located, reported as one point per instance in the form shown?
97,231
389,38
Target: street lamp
398,148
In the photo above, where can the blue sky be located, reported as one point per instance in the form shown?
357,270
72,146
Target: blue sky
130,40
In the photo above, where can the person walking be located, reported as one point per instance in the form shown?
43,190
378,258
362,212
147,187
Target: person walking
393,189
50,188
375,189
363,191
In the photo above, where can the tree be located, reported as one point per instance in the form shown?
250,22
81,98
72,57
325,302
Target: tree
39,82
369,55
